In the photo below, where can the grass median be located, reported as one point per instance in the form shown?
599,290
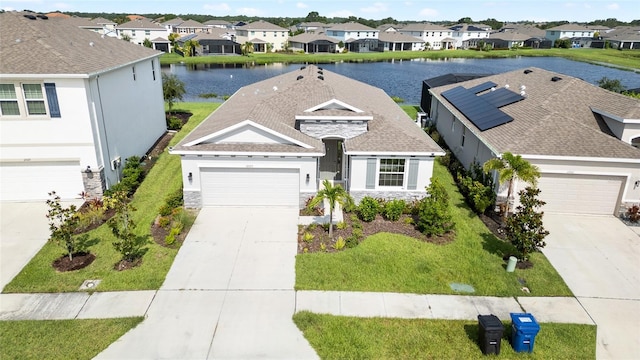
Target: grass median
338,337
163,179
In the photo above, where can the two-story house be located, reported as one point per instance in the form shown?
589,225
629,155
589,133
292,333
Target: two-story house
569,31
356,37
71,112
469,35
139,30
264,36
433,36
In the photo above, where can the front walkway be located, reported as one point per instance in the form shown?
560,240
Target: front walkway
229,293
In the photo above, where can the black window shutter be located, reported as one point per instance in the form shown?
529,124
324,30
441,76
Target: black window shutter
52,99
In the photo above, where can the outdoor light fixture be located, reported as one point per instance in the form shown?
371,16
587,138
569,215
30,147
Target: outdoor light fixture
307,177
190,177
88,171
636,184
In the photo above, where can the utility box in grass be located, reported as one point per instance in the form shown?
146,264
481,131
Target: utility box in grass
490,330
524,329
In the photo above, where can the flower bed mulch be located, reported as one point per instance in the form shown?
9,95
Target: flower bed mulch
78,261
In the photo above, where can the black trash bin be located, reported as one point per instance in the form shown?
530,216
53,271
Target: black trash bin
490,330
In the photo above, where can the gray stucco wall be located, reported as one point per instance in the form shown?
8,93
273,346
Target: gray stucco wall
345,130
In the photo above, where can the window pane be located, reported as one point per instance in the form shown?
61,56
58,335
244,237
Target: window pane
9,108
391,172
32,91
36,108
7,91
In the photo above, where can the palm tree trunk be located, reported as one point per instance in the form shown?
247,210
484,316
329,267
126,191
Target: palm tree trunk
509,203
330,222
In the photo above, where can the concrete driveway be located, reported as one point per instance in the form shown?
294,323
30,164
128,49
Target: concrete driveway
229,293
599,259
23,232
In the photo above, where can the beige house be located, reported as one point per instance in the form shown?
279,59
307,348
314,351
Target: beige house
263,35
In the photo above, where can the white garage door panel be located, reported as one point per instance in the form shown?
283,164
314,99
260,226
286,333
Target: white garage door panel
34,180
580,194
250,187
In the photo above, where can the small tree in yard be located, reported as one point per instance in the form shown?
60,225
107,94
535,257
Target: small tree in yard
128,244
434,217
524,228
172,89
334,194
63,223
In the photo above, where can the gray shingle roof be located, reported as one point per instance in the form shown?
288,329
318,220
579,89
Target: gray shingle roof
555,118
570,27
191,24
397,37
143,23
261,25
307,38
352,26
424,27
57,46
275,103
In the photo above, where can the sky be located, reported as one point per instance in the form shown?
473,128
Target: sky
411,10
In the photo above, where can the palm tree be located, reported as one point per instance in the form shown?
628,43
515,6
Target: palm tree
189,47
333,194
246,48
509,168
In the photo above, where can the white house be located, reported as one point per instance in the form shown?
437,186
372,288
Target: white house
71,112
437,36
191,27
275,141
356,37
583,138
140,29
568,31
263,35
469,33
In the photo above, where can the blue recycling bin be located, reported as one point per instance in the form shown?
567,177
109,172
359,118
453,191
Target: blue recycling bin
524,329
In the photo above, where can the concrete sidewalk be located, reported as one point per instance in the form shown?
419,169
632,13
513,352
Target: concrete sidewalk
445,307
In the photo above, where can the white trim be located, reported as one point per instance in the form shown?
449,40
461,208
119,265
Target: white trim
248,123
347,118
615,117
250,166
578,158
239,154
334,101
391,153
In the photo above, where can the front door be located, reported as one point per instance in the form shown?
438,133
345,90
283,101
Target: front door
331,162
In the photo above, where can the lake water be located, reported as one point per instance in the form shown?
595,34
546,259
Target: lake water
396,78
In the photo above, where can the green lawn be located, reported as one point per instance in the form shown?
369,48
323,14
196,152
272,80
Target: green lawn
60,339
627,59
164,178
395,263
337,337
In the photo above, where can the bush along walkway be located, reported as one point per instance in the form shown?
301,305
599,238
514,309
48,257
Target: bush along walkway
344,303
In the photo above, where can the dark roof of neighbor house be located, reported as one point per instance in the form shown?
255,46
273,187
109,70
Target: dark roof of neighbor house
556,118
307,38
509,36
452,79
261,25
57,46
275,103
531,30
623,33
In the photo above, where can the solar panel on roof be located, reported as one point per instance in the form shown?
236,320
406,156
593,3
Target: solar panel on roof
480,112
501,97
482,87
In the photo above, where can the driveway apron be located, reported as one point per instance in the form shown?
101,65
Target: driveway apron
597,256
229,293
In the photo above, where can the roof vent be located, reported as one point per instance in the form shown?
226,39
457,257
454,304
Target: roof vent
556,79
29,16
299,77
528,71
319,68
303,67
43,17
320,77
320,72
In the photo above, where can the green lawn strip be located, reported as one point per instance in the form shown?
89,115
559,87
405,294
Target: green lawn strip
164,178
627,59
60,339
338,337
395,263
411,110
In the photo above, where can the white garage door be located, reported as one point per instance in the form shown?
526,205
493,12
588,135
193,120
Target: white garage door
250,187
34,180
580,194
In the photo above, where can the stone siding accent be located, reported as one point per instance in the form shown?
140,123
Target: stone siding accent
324,129
94,183
192,199
388,195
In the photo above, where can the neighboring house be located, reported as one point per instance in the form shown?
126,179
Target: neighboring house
506,40
623,37
437,36
274,142
470,34
392,41
57,15
219,24
141,29
71,112
171,25
356,37
263,35
583,138
161,44
100,25
568,31
388,28
218,42
191,27
313,43
313,27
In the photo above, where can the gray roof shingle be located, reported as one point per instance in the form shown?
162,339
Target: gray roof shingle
275,103
555,118
57,46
